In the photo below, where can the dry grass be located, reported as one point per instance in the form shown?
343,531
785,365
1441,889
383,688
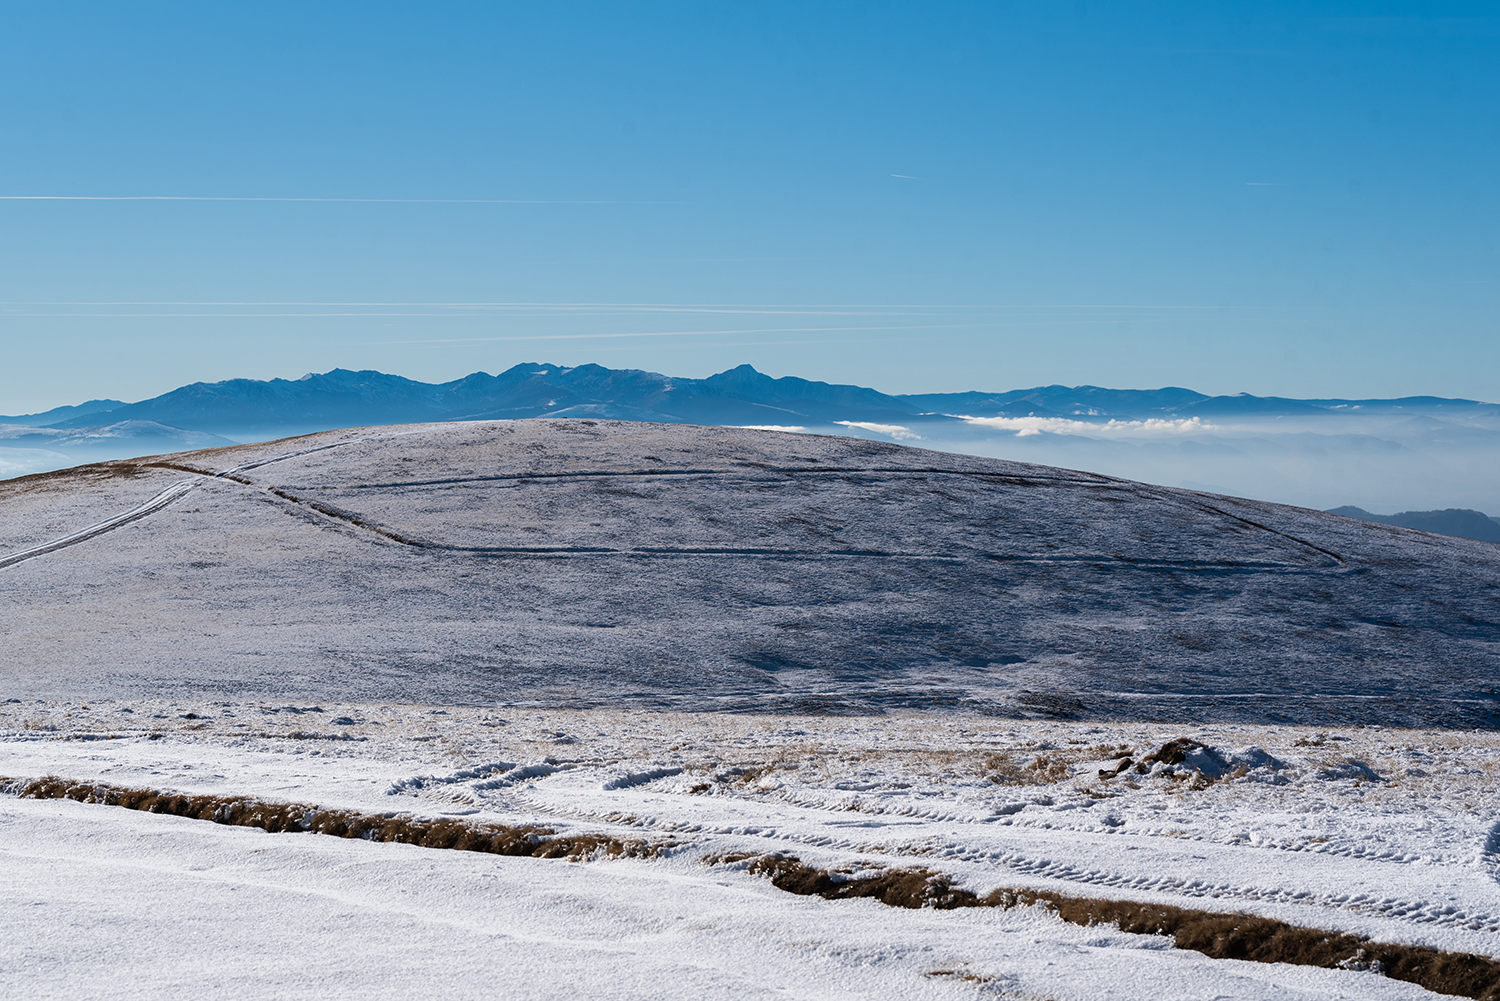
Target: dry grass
280,818
1215,934
993,986
1001,768
358,521
73,477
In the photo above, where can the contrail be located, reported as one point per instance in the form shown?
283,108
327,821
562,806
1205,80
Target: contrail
407,201
677,333
793,308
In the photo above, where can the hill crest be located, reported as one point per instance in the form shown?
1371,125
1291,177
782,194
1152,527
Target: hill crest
589,562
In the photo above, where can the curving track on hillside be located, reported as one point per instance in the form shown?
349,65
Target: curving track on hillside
671,565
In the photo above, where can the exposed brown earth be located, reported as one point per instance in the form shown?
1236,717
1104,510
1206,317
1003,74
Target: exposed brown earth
1215,934
280,818
94,473
1219,935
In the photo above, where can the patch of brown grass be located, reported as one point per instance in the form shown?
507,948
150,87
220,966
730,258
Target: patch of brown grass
201,471
286,818
93,472
1215,934
1002,768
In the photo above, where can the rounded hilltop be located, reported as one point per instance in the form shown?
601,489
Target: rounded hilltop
581,562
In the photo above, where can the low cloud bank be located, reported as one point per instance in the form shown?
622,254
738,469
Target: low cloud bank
895,431
1025,426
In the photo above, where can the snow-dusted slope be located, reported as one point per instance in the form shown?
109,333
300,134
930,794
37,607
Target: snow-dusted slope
1384,834
725,568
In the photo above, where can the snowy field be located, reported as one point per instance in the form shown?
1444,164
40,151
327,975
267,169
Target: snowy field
1391,834
729,649
582,562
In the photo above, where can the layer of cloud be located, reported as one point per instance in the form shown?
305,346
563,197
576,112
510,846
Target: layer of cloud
21,461
891,430
1024,426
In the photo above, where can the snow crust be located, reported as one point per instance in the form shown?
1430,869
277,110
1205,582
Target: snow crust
174,907
725,641
582,562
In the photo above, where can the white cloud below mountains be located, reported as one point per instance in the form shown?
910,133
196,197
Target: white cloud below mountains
1024,426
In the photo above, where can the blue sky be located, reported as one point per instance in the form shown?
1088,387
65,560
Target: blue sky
1293,199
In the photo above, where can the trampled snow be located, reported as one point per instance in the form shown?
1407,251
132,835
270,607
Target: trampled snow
176,907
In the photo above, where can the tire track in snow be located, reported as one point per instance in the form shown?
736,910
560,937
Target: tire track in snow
353,519
1421,912
136,513
172,493
748,472
359,521
1199,501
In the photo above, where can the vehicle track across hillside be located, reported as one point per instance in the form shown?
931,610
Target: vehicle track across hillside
717,567
174,492
177,490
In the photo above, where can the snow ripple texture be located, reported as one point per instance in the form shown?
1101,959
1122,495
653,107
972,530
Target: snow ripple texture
1408,855
595,563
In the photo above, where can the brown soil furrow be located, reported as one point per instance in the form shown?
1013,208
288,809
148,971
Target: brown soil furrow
281,818
161,500
1214,933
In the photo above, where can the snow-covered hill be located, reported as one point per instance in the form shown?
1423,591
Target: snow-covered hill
586,562
1406,454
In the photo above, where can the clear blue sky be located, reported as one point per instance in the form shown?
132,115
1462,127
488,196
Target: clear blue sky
1294,198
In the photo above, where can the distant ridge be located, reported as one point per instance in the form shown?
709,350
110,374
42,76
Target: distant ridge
1462,522
63,413
342,398
742,395
1413,453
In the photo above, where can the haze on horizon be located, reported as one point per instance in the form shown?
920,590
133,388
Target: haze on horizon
1292,200
690,566
1422,454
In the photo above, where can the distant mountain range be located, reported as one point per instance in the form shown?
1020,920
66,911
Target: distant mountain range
1314,452
1453,521
742,395
64,413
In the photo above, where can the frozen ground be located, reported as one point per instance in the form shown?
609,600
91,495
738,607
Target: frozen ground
725,641
1388,833
586,562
